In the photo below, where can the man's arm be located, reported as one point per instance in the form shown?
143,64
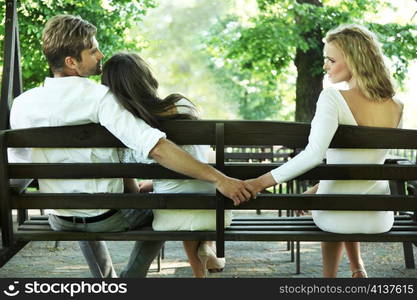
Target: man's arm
169,155
130,185
150,142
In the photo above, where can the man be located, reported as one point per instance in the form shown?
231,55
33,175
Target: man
73,53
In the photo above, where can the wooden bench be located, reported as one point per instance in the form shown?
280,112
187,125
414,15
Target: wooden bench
220,134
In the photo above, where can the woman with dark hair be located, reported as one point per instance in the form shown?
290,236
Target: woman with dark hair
129,78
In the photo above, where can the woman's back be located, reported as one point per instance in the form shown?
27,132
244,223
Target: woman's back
372,113
356,110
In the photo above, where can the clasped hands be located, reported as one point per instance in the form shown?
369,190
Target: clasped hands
241,191
238,190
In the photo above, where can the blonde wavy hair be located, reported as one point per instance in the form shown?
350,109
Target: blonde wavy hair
364,59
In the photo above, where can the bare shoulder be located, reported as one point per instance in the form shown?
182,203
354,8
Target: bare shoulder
398,104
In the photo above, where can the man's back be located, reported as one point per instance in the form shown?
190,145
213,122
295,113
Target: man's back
60,102
74,101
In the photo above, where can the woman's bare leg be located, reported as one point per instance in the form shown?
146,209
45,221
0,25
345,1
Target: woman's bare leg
332,254
353,250
191,249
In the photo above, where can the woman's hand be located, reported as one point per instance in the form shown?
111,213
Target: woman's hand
261,183
255,184
312,190
237,190
145,186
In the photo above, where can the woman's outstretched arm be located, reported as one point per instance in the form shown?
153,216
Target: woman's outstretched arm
323,128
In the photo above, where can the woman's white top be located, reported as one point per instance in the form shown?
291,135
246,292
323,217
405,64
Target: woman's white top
181,219
331,111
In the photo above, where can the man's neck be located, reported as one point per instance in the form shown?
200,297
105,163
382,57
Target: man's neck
59,75
65,73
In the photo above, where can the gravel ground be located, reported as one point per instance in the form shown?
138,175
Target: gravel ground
244,260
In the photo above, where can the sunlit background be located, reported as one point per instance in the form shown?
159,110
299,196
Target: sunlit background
174,33
175,37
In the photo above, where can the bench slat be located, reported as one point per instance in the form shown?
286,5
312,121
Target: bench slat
290,134
145,234
396,236
239,225
258,223
302,227
302,223
230,235
207,201
301,218
237,170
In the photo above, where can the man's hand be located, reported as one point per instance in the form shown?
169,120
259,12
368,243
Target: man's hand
235,189
145,186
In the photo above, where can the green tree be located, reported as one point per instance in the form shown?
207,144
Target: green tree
114,20
289,32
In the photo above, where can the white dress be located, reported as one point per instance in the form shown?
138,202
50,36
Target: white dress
331,111
181,219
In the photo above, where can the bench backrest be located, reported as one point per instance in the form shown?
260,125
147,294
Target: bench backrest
217,133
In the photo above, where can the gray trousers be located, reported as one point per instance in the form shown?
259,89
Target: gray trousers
96,253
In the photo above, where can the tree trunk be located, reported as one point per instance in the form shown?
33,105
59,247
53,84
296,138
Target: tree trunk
309,81
308,86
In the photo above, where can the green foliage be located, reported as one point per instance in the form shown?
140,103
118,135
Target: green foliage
263,50
247,66
113,20
175,32
399,44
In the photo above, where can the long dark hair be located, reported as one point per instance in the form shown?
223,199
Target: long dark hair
129,78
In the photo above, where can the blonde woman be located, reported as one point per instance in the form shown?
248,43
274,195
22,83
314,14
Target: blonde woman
352,55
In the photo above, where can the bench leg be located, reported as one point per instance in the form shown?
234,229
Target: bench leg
408,255
7,253
159,261
161,256
292,251
297,259
22,216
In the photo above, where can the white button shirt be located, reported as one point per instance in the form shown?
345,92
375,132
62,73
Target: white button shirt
73,101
